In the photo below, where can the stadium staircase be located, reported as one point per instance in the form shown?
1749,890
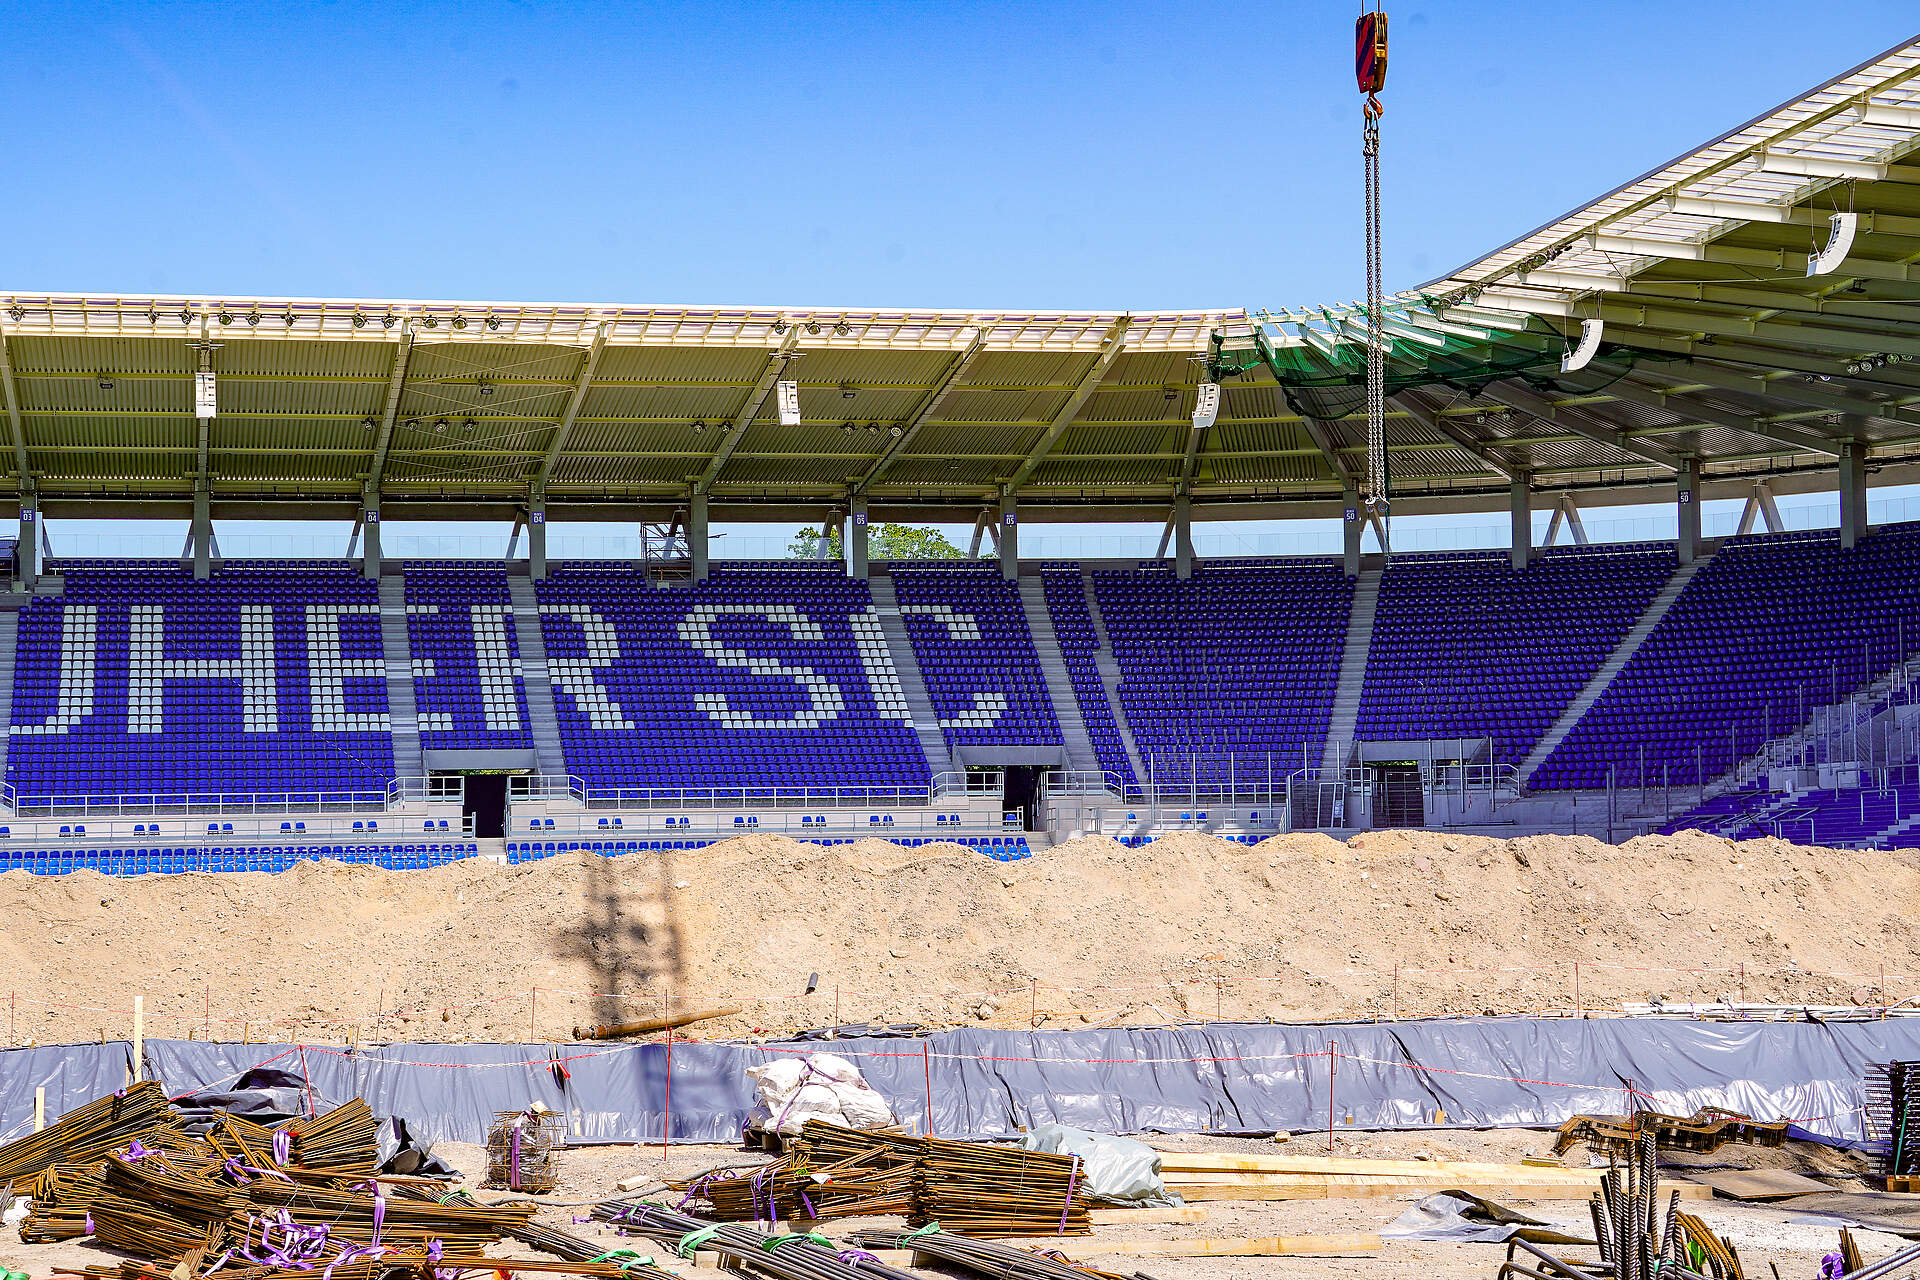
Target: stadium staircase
402,712
1109,668
913,684
1608,670
1073,726
543,720
1353,673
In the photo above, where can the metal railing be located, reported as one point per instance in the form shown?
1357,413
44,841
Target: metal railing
399,793
945,787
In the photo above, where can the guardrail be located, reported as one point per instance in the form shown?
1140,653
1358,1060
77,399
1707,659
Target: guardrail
399,793
946,787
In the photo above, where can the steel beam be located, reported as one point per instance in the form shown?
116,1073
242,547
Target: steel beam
581,381
1460,438
396,383
949,379
777,361
14,427
1110,347
1633,391
1527,402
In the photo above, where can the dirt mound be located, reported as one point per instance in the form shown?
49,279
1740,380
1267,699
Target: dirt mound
1301,926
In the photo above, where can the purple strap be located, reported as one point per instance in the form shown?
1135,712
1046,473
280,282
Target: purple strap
853,1257
1073,1180
89,1222
349,1253
380,1214
513,1156
135,1151
240,1171
282,1146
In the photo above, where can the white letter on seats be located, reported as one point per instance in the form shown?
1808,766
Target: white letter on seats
328,672
824,701
423,669
493,657
79,625
987,707
148,672
883,679
575,674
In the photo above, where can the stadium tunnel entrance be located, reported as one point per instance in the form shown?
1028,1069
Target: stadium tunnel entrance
1020,770
484,784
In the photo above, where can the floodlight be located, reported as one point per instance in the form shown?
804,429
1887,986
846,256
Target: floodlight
226,317
895,430
779,326
440,426
466,428
153,317
389,320
1589,346
787,400
843,328
493,322
359,321
699,427
288,319
369,423
848,427
18,314
1206,405
1839,242
459,322
186,316
253,319
873,426
813,326
432,322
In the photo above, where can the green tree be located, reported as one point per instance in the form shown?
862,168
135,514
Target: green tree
884,542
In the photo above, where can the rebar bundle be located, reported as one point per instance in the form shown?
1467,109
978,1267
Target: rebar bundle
90,1132
520,1149
987,1257
829,1171
788,1257
977,1189
1705,1130
1893,1117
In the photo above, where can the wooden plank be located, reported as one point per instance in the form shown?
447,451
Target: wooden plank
1146,1217
1372,1188
1760,1184
1520,1179
1196,1162
1243,1247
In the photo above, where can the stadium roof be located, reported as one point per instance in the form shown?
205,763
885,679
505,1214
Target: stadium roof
1718,346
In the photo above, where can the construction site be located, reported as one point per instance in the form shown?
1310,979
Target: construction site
909,891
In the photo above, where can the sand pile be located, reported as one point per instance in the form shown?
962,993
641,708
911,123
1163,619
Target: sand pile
1301,926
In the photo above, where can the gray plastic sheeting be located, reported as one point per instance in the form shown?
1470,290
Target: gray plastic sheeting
72,1074
1225,1077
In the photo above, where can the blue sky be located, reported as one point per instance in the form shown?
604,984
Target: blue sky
1024,155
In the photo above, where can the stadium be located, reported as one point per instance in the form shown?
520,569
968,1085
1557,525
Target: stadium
906,788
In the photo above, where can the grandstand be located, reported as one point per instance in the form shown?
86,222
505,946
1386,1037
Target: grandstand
212,712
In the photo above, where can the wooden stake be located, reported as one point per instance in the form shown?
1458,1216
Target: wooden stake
926,1066
1333,1066
666,1111
39,1108
139,1034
